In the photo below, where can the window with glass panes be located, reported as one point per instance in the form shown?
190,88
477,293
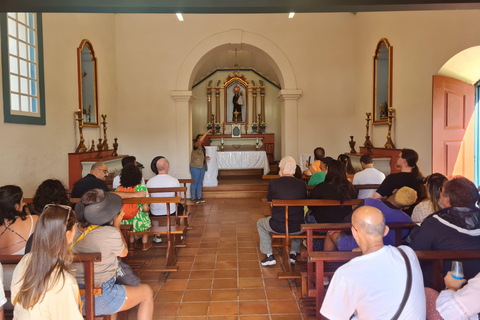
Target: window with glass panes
21,61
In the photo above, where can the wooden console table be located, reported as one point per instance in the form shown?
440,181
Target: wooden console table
268,141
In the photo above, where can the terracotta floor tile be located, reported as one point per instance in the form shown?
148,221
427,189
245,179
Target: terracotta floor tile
224,295
179,275
251,294
251,283
283,307
270,272
208,245
203,251
248,264
206,258
286,317
196,295
247,244
224,283
169,296
226,251
184,266
223,308
187,251
253,307
227,257
254,318
222,265
174,285
223,317
203,265
193,309
232,245
199,284
190,318
274,282
279,293
247,250
201,274
247,256
225,274
168,309
249,273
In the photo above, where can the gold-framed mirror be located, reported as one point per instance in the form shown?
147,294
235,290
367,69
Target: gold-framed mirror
87,83
382,81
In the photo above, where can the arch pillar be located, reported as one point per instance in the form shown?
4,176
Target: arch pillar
183,136
289,114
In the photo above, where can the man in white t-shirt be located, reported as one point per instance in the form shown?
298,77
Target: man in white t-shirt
369,175
372,286
163,180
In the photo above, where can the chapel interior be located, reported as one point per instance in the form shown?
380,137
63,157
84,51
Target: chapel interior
158,79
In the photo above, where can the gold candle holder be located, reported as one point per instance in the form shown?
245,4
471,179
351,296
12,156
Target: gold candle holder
368,144
81,146
104,123
389,144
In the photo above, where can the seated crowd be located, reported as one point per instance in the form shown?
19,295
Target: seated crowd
94,226
372,286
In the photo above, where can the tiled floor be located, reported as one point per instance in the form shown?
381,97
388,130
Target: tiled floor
220,275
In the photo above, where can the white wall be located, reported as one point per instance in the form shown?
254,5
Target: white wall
139,58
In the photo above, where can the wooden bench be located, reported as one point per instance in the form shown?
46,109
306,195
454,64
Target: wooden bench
308,279
178,217
172,233
323,259
287,237
87,259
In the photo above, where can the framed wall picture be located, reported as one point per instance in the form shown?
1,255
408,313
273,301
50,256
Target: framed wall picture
236,130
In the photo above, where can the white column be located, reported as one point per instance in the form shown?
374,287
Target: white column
289,111
183,107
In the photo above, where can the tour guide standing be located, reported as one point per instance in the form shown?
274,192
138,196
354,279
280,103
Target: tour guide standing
198,166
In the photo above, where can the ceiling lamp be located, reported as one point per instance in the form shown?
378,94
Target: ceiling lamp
179,16
291,14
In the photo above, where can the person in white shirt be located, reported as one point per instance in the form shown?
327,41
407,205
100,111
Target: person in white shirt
369,175
163,180
372,286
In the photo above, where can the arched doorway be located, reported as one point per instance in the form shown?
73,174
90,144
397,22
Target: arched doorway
220,42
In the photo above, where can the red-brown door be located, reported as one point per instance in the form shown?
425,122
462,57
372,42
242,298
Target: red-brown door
453,127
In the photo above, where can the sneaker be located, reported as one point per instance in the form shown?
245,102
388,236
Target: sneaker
269,260
157,239
293,258
197,201
201,200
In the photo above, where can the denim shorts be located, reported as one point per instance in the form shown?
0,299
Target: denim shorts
112,299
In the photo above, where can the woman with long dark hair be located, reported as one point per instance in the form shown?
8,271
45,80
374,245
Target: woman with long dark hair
335,187
49,191
16,224
347,163
434,184
198,166
409,176
43,286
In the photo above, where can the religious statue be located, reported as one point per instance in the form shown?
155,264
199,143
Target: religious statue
384,110
237,103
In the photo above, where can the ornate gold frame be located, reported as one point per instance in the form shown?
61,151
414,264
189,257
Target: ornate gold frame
87,43
231,80
375,114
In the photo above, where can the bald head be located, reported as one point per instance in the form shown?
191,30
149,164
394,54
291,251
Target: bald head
162,166
369,221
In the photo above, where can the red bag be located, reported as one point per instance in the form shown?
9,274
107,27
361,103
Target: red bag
129,209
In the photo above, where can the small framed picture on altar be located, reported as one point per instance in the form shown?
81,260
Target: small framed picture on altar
236,130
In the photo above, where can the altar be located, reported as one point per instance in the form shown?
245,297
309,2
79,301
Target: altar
232,160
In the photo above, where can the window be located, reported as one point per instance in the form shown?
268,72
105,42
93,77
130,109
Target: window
22,68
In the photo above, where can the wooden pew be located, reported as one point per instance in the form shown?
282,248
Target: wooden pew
178,218
287,237
87,259
172,233
310,229
322,259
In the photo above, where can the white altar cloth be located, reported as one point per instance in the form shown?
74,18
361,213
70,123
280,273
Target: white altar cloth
243,160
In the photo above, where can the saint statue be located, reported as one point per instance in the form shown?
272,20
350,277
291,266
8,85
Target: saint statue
237,103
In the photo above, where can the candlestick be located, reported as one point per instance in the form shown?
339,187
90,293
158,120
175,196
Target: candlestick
368,144
81,146
104,123
389,144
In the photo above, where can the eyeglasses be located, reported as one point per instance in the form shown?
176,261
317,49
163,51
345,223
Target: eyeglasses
68,208
352,226
104,171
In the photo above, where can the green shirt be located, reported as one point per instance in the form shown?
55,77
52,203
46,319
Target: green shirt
317,177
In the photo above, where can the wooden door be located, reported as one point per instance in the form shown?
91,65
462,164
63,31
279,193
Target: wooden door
453,127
